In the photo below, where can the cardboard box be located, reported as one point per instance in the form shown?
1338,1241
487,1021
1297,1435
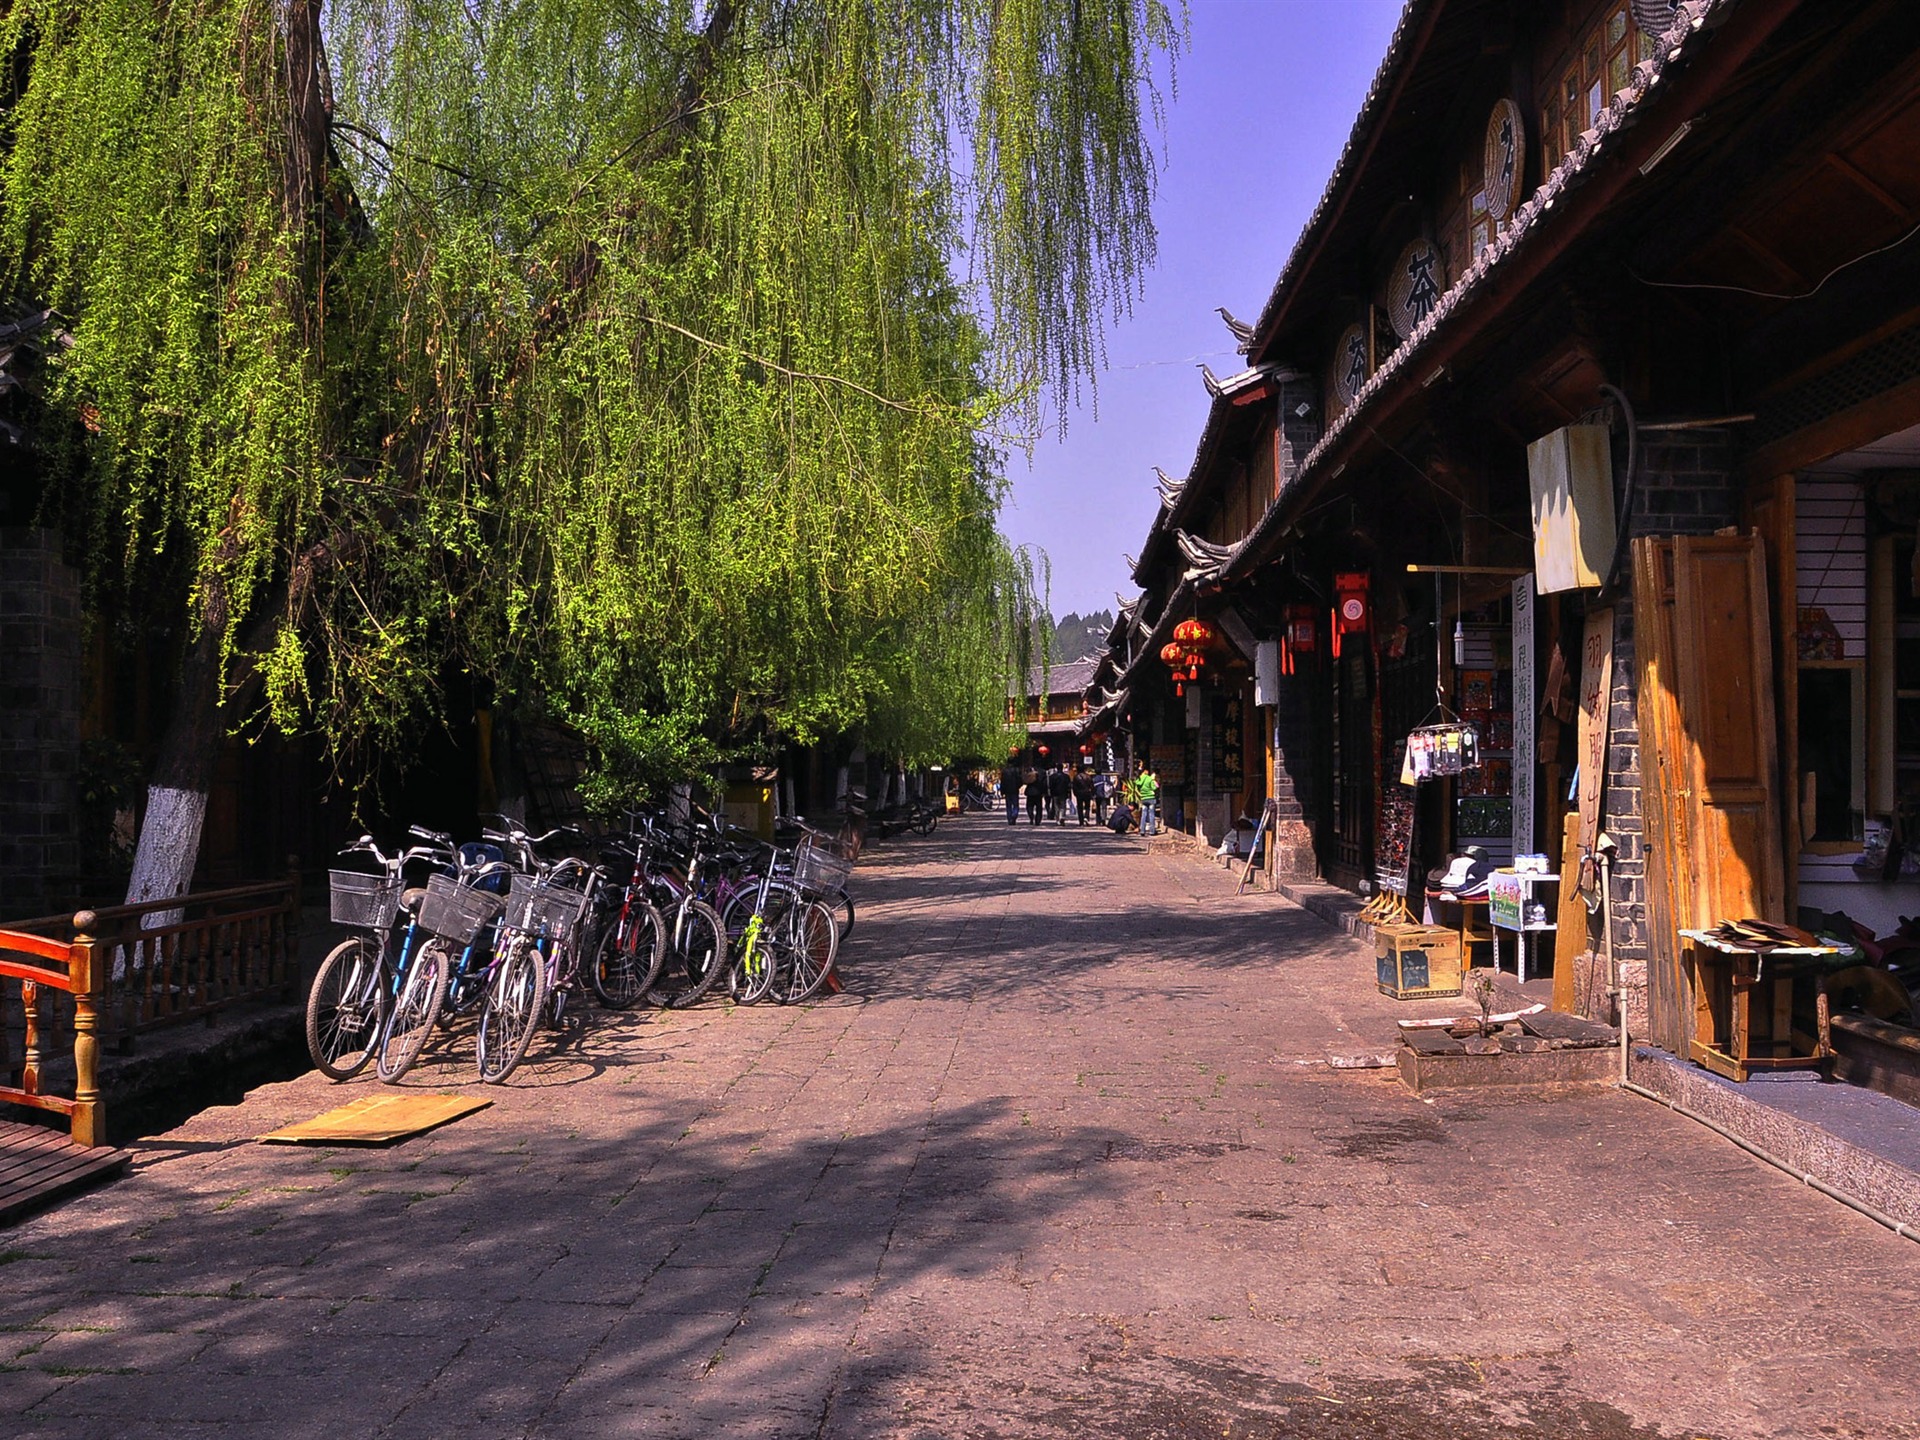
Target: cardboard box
1417,962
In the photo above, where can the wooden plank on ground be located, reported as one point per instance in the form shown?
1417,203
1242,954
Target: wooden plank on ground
378,1120
39,1166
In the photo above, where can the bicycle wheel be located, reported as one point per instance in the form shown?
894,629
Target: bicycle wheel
810,943
347,1008
626,957
751,977
841,904
423,989
516,998
696,954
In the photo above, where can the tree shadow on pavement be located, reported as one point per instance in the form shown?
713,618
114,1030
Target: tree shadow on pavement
633,1273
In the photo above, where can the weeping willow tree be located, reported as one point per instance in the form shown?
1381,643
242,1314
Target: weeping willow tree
644,357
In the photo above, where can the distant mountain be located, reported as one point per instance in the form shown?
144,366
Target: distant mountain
1077,636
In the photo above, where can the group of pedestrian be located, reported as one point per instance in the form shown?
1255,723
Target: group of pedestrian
1061,795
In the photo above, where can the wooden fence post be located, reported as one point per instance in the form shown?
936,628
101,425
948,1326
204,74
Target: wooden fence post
89,1114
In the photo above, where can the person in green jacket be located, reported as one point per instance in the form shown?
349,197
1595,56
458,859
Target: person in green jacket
1147,786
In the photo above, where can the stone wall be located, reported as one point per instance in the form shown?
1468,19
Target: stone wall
1685,489
39,721
1295,780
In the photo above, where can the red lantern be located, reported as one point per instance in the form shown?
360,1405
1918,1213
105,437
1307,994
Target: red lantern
1194,634
1044,752
1173,655
1352,612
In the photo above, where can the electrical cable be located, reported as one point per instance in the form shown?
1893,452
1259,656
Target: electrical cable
1774,294
1624,528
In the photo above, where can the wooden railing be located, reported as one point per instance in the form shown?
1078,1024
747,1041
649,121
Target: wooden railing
163,962
59,966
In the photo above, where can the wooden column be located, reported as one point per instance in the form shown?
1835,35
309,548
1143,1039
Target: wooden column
89,1113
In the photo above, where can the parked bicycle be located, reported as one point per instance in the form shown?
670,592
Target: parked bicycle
351,1001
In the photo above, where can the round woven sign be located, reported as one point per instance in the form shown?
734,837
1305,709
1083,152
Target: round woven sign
1418,281
1505,153
1350,369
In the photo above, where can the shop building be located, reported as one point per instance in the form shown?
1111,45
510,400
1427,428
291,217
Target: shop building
1585,414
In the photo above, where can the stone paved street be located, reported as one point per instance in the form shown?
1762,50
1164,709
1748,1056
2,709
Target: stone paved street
1066,1160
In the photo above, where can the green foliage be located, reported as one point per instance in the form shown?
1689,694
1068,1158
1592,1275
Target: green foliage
642,381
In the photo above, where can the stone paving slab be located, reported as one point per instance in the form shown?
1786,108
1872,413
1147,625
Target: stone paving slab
1066,1160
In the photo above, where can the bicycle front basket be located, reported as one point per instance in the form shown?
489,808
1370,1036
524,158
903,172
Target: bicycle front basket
545,911
454,911
365,902
818,872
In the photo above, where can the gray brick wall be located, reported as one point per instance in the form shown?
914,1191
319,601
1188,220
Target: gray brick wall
1685,489
1299,432
39,721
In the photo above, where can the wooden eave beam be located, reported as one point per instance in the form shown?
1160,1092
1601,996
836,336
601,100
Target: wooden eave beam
1748,26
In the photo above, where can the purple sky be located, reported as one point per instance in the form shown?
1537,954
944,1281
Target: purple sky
1267,94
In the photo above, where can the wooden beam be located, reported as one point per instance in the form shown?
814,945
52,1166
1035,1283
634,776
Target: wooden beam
1861,424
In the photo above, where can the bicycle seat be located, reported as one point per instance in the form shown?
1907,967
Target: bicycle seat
411,897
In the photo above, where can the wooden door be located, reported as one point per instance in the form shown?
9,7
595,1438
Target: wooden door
1724,655
1665,765
1708,760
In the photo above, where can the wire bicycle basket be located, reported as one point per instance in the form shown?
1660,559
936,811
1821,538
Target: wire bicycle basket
818,871
364,902
454,911
543,910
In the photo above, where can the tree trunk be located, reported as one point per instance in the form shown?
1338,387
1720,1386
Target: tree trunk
169,845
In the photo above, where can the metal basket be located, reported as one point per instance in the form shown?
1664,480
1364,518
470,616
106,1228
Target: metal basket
545,911
818,872
365,902
454,911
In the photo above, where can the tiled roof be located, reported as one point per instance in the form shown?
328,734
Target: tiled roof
1071,678
1688,32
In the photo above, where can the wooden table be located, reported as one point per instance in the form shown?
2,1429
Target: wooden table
1734,1037
1472,925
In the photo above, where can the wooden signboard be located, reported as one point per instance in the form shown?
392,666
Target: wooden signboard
1351,367
1503,157
1414,287
1526,709
1596,701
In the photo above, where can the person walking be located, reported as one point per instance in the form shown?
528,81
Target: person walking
1147,786
1083,794
1059,788
1036,786
1010,780
1102,796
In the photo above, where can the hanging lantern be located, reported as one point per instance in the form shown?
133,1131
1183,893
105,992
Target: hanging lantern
1301,631
1173,655
1352,612
1195,634
1298,636
1044,752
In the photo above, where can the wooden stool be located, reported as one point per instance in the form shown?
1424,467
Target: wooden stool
1476,933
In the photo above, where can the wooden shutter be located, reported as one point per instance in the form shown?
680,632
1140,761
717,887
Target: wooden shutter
1664,767
1709,802
1724,655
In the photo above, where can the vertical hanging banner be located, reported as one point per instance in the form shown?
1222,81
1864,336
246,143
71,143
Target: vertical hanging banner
1526,712
1596,700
